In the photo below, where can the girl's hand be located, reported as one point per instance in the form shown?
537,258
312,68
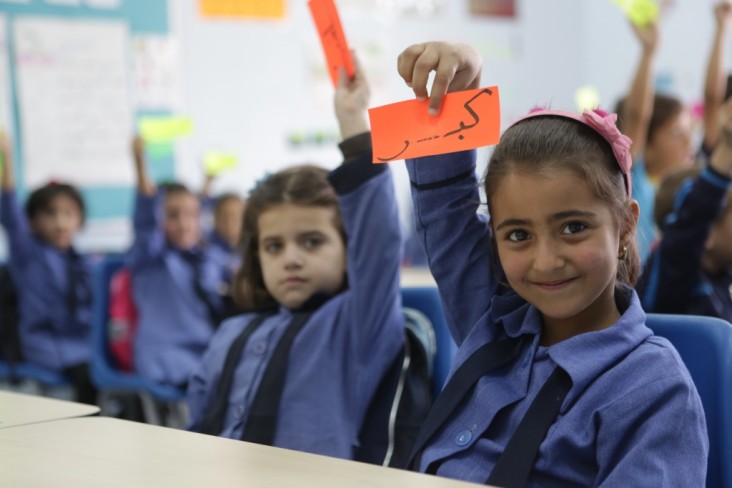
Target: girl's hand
647,35
722,12
457,67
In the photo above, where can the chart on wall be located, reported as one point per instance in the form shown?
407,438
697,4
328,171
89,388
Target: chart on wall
73,100
6,120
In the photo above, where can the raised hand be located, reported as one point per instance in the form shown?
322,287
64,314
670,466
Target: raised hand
457,67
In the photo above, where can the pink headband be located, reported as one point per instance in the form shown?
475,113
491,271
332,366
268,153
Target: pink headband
604,124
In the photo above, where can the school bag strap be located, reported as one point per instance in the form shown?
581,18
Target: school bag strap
261,422
515,462
213,420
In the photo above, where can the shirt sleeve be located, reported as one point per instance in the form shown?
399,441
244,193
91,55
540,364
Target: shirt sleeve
370,214
149,241
663,439
455,238
673,274
16,227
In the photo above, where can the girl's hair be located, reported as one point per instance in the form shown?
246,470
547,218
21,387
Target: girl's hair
223,198
170,188
41,198
304,185
665,107
549,143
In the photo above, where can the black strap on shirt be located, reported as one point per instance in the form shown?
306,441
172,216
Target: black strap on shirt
79,291
515,462
213,420
196,260
514,465
486,358
262,419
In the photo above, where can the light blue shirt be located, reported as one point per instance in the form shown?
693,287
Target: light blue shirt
632,417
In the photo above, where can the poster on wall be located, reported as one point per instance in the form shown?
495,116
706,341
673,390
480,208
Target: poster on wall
6,117
493,8
241,9
73,100
156,73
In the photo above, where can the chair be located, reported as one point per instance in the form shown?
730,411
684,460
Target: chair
705,346
107,378
427,300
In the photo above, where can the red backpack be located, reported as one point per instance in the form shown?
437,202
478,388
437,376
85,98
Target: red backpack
122,319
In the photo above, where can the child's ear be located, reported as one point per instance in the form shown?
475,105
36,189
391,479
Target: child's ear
631,223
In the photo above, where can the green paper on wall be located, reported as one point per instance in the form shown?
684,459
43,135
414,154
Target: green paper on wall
216,162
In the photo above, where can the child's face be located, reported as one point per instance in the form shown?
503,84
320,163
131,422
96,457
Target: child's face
558,245
59,222
301,253
181,220
671,148
227,221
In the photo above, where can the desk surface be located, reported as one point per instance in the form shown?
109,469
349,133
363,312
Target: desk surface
20,409
98,451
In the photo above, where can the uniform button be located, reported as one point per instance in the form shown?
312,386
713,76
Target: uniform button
463,438
259,348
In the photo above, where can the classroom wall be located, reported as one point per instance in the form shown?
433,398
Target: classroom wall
258,89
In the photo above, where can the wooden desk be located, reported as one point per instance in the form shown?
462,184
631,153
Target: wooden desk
416,276
99,451
19,409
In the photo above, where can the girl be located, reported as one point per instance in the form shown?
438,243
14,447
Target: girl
322,254
175,280
540,302
52,279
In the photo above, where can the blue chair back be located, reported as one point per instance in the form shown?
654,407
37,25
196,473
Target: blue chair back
705,346
103,371
427,300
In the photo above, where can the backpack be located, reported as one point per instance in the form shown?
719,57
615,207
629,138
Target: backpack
10,351
403,398
122,319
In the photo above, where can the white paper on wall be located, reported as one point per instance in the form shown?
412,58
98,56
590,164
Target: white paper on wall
74,103
6,111
156,72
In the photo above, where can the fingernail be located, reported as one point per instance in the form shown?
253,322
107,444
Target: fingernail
432,112
421,99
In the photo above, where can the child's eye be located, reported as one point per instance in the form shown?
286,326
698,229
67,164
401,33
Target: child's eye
573,228
517,236
272,247
313,242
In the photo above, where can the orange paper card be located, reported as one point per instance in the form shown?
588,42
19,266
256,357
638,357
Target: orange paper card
405,130
330,30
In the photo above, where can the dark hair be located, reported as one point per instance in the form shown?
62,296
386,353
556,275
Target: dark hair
548,143
170,188
40,199
665,107
668,191
305,185
728,88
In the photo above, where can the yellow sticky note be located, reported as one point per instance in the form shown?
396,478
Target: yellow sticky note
586,97
158,129
640,12
216,162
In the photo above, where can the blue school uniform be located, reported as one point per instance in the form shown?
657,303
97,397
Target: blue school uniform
632,416
673,280
176,295
54,322
338,359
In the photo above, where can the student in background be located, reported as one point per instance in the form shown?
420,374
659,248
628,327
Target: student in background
690,271
174,278
540,301
320,272
222,240
661,130
716,83
52,279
